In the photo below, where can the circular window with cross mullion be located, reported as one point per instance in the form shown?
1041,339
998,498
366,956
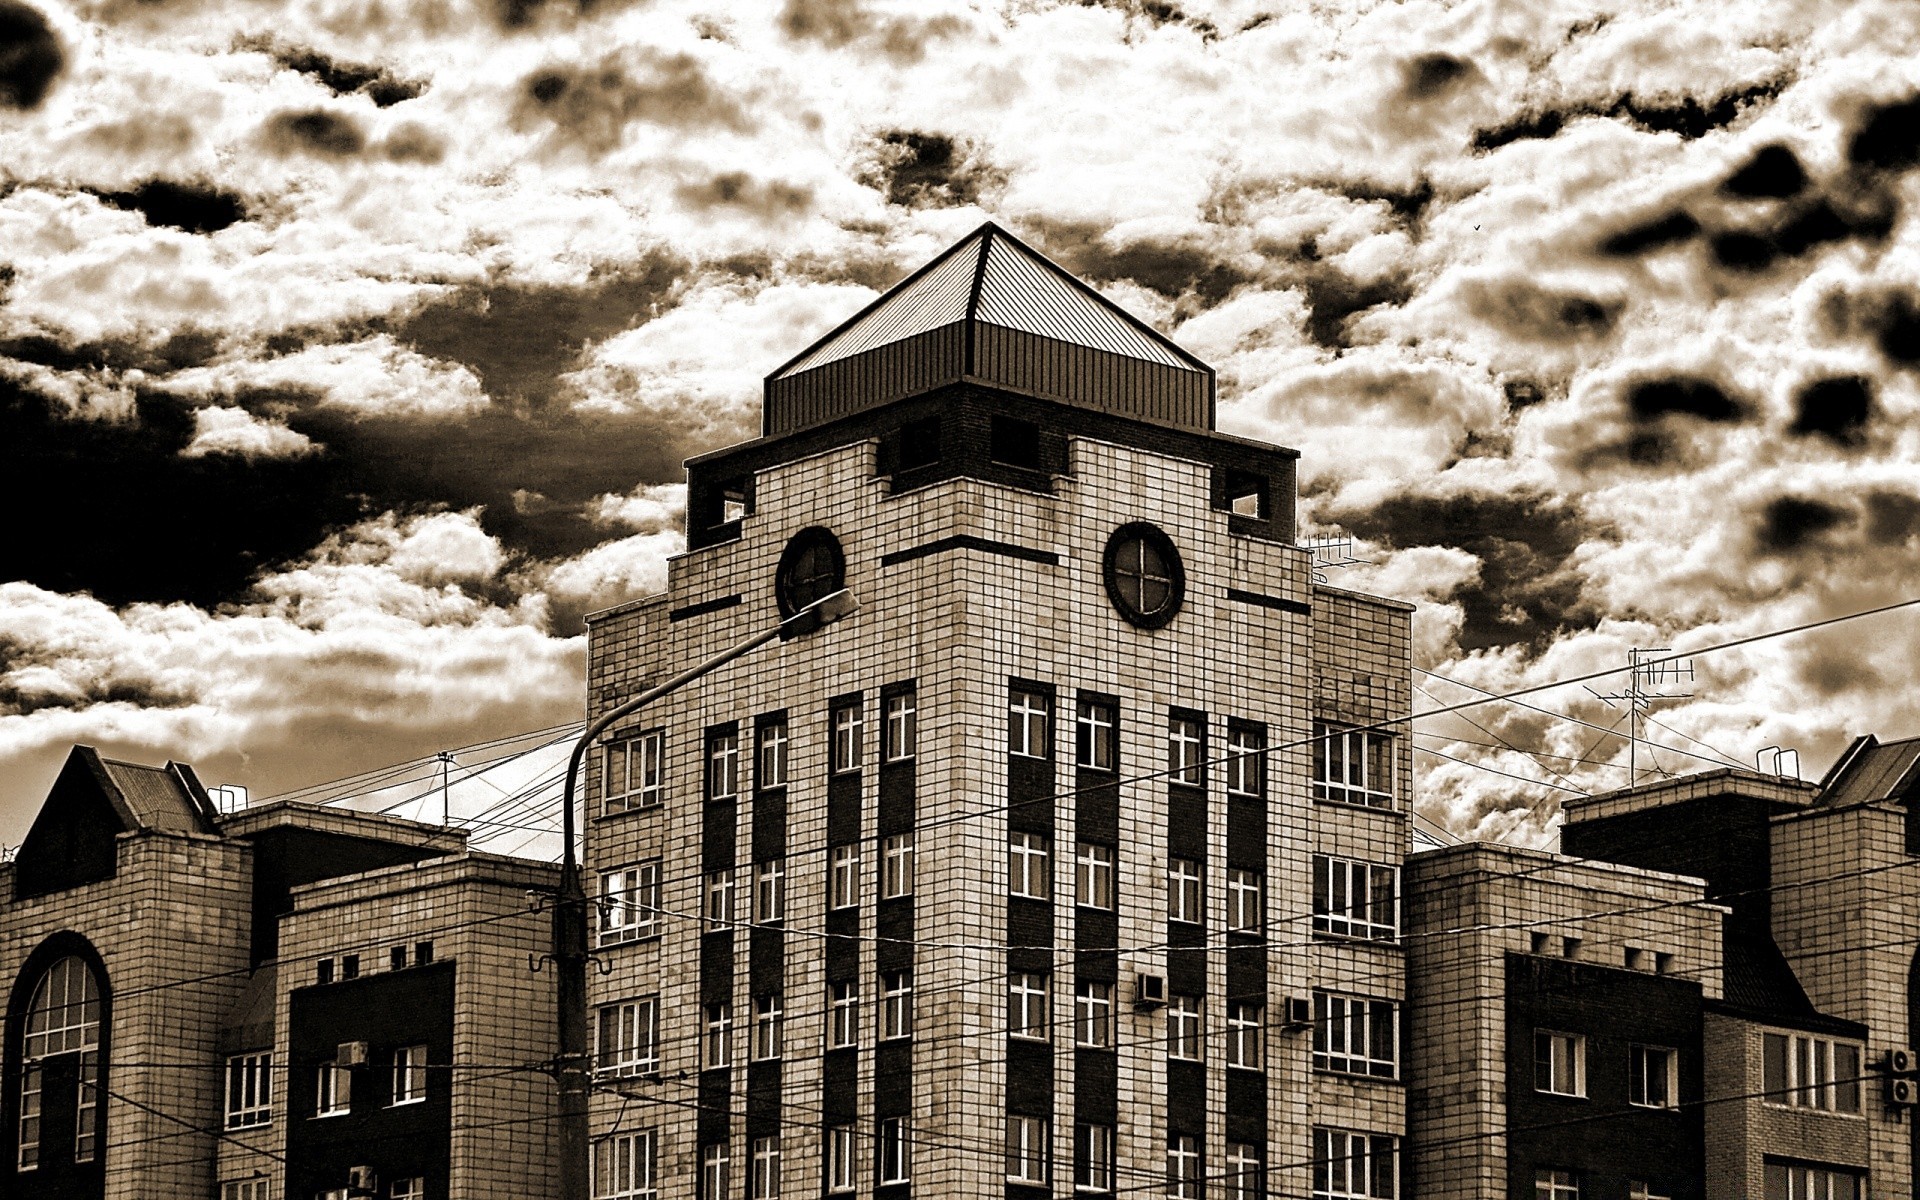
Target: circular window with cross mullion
1144,576
811,568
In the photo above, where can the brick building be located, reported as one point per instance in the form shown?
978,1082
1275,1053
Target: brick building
1065,864
286,1000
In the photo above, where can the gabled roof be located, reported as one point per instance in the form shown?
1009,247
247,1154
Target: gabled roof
1872,770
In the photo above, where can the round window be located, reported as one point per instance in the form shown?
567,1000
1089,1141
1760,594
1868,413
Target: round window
1144,578
811,568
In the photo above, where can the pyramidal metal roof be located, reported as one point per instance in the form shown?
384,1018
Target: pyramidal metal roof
992,277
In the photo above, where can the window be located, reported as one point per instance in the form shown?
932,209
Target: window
848,723
1186,750
723,764
332,1090
629,1038
1183,1027
900,732
769,892
32,1087
323,971
717,1047
1030,866
1559,1063
894,1159
1811,1072
840,1165
1027,1005
1028,710
410,1073
349,966
1786,1181
716,1171
896,866
772,769
1143,574
1244,1179
1551,1184
635,772
1183,891
843,876
1653,1076
624,1166
1634,958
1096,735
630,903
1356,899
1355,1036
413,1187
397,959
249,1090
1093,1014
1183,1167
843,1014
919,443
1246,905
1348,1165
1246,760
896,1004
1093,1158
1640,1189
716,899
1243,1036
245,1189
422,953
812,567
767,1019
1013,442
1028,1149
1352,766
1092,876
764,1182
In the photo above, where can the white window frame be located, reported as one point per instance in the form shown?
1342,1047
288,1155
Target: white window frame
414,1187
843,876
1551,1183
1355,899
843,1014
896,866
1093,876
1822,1074
1183,1167
896,1005
1030,866
1093,1014
1186,891
716,1170
1350,1031
630,903
1029,717
849,728
1246,760
1029,1149
772,746
716,1041
716,899
1097,734
626,1166
770,892
32,1114
1092,1158
1805,1181
634,772
1186,1028
627,1037
409,1075
1347,763
902,726
723,764
1349,1164
1186,750
842,1167
1246,1048
1246,1172
1027,1006
1644,1065
249,1090
763,1177
894,1160
769,1021
1554,1050
332,1090
1246,900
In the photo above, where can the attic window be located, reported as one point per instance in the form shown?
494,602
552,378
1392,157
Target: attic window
1014,443
920,443
1247,495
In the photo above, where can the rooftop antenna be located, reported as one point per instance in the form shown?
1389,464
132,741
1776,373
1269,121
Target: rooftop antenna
1332,553
446,766
1646,676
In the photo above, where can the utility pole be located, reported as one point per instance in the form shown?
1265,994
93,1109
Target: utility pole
573,1068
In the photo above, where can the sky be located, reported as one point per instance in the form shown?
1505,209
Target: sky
349,349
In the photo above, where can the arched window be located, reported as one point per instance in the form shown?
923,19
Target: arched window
63,1018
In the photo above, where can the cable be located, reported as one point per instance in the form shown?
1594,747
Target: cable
1503,741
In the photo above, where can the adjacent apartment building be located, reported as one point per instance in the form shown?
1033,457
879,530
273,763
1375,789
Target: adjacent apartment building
1071,863
283,1001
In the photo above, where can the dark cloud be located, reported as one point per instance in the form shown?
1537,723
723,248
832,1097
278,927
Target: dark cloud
316,131
1409,203
1522,393
837,24
1161,12
1175,267
1888,138
1651,399
196,208
1893,518
1527,592
1836,409
1671,229
1334,299
927,170
413,142
1774,172
1687,116
1791,523
1806,227
190,348
1432,75
31,56
591,106
737,189
380,84
1526,310
1890,319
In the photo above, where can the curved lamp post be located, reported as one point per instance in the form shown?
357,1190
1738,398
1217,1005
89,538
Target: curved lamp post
574,1066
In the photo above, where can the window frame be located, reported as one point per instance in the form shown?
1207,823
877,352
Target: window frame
1184,1167
1186,891
1028,994
717,899
1030,866
1362,751
1338,909
1555,1183
1246,1047
1246,765
1639,1057
893,1157
901,732
723,762
716,1035
1096,736
1187,734
1357,1018
409,1081
1339,1155
1246,900
716,1171
626,1166
768,1040
846,734
249,1076
332,1089
763,1173
635,1037
1186,1027
1029,721
841,1169
1830,1091
1093,1014
1094,872
1029,1150
772,747
843,876
1093,1157
843,1014
650,748
896,1004
770,892
629,903
1546,1079
1246,1171
896,865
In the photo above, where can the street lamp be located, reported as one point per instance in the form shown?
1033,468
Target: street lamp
570,910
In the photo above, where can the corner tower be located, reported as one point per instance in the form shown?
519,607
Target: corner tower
1069,861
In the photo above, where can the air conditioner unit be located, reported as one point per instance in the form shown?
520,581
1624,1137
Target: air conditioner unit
1900,1093
1149,992
1299,1012
350,1054
1900,1062
362,1181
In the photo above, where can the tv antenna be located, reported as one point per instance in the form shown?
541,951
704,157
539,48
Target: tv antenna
1331,553
1649,672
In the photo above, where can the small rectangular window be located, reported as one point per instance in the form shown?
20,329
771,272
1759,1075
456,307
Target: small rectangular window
1243,1036
1029,716
1027,1005
771,770
768,1018
1093,876
1097,735
848,726
249,1090
629,1038
1093,1158
1030,866
247,1189
1245,1178
1093,1014
723,763
409,1075
843,876
1553,1184
843,1014
895,1152
896,1004
422,953
1559,1063
716,1171
635,772
716,1046
840,1169
1246,900
630,903
716,899
1184,1028
1013,442
764,1179
1353,766
1028,1150
1354,1035
1350,1165
1183,891
919,443
397,959
1356,899
1183,1168
1246,759
902,726
896,866
769,892
349,966
332,1090
1653,1076
1186,749
625,1167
